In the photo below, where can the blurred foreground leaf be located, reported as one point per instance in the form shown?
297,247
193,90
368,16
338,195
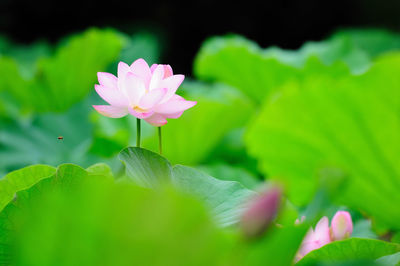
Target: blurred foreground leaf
226,199
75,218
348,250
22,179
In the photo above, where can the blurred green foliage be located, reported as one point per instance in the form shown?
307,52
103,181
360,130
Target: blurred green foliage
226,199
322,120
258,72
73,216
60,80
351,124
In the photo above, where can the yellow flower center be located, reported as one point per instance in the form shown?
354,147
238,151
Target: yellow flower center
138,109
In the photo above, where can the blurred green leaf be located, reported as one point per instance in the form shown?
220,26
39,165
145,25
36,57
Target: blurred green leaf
254,71
22,179
350,124
145,167
191,138
226,199
277,248
224,171
350,249
389,260
258,72
75,219
68,76
64,78
374,42
36,140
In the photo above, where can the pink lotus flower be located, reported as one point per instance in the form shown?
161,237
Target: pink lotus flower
145,92
341,228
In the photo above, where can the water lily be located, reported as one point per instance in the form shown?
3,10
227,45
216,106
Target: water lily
148,93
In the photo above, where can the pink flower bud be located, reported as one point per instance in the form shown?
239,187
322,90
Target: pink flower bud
261,212
315,239
341,225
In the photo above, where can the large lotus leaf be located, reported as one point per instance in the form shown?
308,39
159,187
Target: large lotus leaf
241,63
259,72
191,138
25,56
225,171
350,124
226,199
22,179
389,260
18,186
36,140
373,42
67,76
94,223
348,250
145,167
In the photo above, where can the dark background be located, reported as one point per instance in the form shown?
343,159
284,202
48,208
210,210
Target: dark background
185,26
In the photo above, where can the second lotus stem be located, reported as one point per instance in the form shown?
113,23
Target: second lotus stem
159,140
138,132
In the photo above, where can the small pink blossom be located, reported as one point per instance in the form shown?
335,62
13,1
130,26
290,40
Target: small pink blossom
316,238
341,228
260,213
145,92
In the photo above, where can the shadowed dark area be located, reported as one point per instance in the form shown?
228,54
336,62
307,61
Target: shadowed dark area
286,23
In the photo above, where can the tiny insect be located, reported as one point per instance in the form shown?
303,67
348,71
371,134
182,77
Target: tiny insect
60,138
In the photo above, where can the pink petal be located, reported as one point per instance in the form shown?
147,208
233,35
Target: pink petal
174,106
308,247
309,236
107,80
111,111
342,225
123,68
156,120
322,232
156,78
141,69
176,115
153,67
167,71
112,96
151,98
140,115
134,88
172,83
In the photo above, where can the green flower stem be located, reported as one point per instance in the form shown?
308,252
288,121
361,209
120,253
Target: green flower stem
138,132
159,140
